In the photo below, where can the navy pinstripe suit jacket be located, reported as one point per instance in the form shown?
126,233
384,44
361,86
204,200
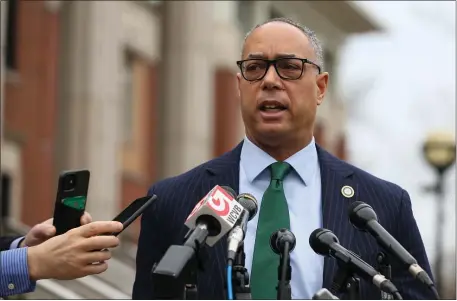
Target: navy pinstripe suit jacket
6,241
163,224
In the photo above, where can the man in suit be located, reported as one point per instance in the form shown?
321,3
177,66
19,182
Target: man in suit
297,183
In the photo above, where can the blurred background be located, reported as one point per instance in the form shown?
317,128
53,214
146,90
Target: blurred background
136,91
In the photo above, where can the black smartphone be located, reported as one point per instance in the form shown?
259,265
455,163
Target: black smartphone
71,199
133,211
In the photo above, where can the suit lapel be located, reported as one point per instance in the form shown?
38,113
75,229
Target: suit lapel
335,175
225,170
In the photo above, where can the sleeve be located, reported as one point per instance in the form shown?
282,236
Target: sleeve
15,244
14,273
409,237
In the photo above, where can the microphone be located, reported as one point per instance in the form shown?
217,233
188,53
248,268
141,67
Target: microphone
230,191
212,218
324,294
282,242
238,233
364,218
325,243
214,215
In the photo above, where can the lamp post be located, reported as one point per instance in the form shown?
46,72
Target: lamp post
439,151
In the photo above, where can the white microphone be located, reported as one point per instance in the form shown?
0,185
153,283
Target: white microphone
324,294
216,214
238,233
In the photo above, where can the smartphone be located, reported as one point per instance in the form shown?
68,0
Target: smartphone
71,199
133,211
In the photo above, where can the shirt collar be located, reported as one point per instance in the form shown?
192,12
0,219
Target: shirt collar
254,160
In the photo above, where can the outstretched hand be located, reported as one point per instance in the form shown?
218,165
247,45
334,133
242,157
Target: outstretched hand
45,230
77,253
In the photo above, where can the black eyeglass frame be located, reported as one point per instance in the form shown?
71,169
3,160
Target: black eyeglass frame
274,63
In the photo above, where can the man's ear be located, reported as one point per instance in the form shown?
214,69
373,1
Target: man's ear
322,84
238,80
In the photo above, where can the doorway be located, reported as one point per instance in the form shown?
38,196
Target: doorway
5,200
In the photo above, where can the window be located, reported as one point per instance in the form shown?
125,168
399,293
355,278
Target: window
11,35
128,98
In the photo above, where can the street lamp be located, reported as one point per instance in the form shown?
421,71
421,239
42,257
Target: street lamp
439,151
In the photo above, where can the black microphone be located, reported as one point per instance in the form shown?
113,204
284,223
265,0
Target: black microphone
364,218
325,243
238,233
229,190
283,242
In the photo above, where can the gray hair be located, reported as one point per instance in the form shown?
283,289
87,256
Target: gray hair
310,34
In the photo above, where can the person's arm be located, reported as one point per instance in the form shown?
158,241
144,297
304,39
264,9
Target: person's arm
39,233
14,273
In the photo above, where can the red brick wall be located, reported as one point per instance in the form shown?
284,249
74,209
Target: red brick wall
137,186
30,107
226,112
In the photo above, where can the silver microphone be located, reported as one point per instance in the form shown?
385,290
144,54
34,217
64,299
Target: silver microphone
324,294
237,234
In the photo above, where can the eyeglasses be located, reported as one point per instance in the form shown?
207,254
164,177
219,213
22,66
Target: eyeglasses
286,68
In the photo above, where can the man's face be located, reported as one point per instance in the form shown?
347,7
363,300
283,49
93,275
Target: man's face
273,108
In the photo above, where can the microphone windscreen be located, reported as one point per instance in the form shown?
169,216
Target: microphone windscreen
360,214
321,239
230,191
249,202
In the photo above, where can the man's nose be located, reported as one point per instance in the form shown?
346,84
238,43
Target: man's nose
271,79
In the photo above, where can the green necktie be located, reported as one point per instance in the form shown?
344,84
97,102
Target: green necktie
273,215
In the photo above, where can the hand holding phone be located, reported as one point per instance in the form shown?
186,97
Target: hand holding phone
71,200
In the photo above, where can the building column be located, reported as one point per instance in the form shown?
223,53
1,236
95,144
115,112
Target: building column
186,83
228,126
90,99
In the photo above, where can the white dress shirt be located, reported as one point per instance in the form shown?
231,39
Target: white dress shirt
302,188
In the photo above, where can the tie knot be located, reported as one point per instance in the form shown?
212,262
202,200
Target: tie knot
279,170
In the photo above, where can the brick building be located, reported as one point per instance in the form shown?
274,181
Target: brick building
134,92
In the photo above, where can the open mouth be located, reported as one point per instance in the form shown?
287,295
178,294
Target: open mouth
272,106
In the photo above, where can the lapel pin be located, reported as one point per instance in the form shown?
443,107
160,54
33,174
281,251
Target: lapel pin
347,191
